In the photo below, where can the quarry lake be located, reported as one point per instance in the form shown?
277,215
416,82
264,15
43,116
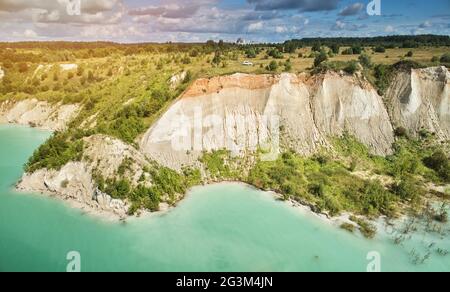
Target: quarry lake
223,227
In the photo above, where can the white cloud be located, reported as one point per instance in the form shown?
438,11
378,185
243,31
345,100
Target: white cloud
389,29
256,26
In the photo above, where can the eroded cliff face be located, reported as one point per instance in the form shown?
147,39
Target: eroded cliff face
242,113
41,114
419,100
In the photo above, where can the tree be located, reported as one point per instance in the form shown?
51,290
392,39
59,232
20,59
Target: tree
217,58
287,66
316,47
335,49
290,48
322,57
357,49
250,53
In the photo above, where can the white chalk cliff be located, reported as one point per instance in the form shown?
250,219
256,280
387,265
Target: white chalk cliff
310,111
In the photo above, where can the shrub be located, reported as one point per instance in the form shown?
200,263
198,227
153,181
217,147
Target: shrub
357,49
316,48
401,132
287,66
335,49
217,58
250,53
351,68
380,49
445,58
440,163
408,189
349,227
275,53
365,60
273,66
322,57
409,54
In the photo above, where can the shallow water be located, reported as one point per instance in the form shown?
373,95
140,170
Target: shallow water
224,227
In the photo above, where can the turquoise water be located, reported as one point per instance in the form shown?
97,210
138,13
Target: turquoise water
217,228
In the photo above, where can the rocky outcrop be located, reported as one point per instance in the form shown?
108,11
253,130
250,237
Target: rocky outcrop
420,100
39,114
74,182
244,112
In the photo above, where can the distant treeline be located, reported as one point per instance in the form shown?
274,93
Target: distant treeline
396,41
69,51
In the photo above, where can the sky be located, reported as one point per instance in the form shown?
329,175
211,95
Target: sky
130,21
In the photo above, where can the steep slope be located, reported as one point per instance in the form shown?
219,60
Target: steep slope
41,114
419,100
243,113
345,103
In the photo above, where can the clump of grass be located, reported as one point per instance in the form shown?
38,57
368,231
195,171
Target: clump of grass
367,229
348,227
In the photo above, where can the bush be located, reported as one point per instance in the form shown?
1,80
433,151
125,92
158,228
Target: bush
401,132
440,163
357,49
409,54
322,57
287,66
217,58
380,49
349,227
275,53
273,66
250,53
351,68
335,49
316,48
408,189
365,60
445,58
